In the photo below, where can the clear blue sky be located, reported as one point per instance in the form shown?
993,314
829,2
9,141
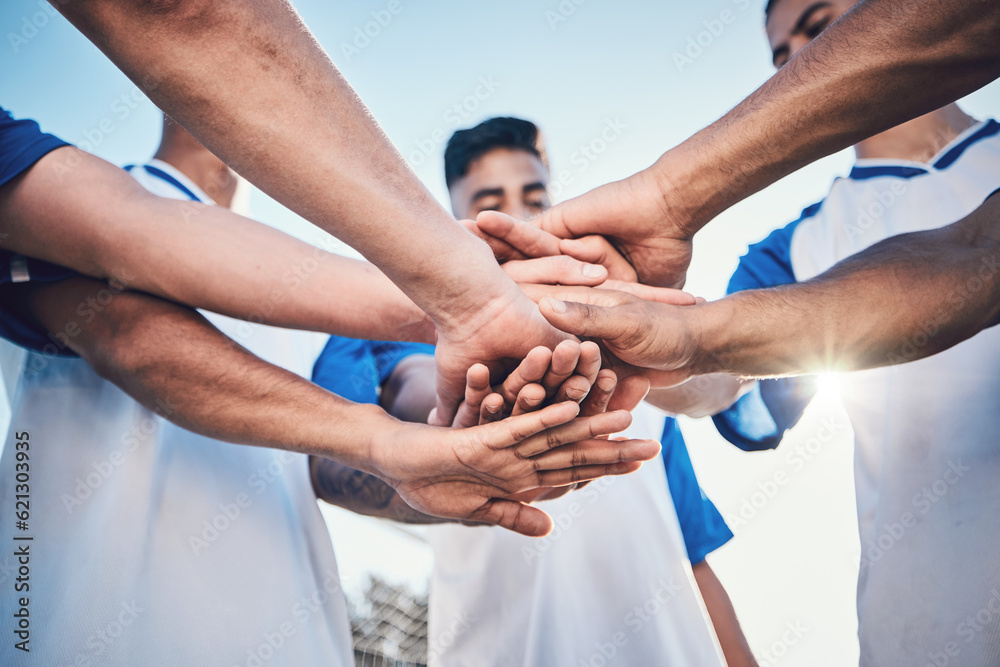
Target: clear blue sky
605,62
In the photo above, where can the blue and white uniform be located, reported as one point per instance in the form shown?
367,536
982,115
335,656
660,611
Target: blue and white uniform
156,546
609,585
927,433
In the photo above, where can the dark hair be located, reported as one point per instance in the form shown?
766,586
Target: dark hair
767,9
467,146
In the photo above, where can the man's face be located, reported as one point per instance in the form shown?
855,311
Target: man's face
794,23
511,181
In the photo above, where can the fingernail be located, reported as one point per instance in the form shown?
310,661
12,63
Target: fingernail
556,305
573,244
594,271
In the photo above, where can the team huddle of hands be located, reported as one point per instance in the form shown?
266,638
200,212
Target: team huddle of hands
543,416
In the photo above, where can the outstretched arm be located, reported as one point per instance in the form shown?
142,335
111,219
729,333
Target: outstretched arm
78,211
168,357
905,298
315,148
882,63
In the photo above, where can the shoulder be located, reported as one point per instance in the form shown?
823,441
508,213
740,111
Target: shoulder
769,262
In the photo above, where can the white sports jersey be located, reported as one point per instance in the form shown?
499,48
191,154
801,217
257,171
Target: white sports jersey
927,433
156,546
611,584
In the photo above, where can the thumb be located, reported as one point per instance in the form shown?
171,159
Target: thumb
450,391
515,516
579,319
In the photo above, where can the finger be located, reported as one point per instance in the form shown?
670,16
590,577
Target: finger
450,382
564,360
528,399
584,319
523,236
576,430
584,473
598,250
477,388
531,369
667,295
575,388
629,392
532,425
514,516
491,409
502,251
600,393
555,270
597,452
540,494
590,361
595,296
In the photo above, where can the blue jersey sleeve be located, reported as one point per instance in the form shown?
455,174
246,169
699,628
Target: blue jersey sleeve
346,366
22,144
759,419
356,369
389,354
702,525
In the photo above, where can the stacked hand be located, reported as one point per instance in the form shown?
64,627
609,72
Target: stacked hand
570,372
475,474
625,330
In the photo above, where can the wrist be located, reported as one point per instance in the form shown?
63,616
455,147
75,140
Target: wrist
690,184
709,327
475,285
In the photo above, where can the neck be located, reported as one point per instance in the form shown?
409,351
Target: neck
917,140
206,171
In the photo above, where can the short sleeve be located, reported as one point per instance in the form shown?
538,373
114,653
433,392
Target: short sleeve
356,369
22,144
760,418
346,367
389,354
702,525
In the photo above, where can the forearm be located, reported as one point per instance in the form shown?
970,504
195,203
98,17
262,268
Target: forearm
701,396
315,147
882,63
171,360
202,256
906,298
361,492
720,609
